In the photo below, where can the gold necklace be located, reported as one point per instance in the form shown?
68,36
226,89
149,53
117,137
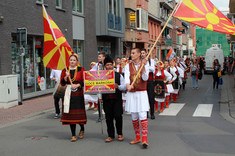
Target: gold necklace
75,74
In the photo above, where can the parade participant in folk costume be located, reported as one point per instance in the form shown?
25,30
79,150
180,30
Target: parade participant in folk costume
173,69
113,104
90,98
76,113
161,75
137,98
118,65
185,69
181,73
99,66
123,64
174,76
150,85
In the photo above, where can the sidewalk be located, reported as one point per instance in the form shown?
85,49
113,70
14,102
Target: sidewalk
27,109
227,103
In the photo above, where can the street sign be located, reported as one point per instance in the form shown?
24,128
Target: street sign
132,17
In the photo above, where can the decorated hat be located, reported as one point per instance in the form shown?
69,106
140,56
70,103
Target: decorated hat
161,64
108,59
92,63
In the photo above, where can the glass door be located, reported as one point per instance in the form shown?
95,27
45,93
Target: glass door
28,66
39,67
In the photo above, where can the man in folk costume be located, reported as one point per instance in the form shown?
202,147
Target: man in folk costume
150,85
99,66
161,75
137,98
113,106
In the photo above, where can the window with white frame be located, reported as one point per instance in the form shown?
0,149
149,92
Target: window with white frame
142,19
77,6
59,4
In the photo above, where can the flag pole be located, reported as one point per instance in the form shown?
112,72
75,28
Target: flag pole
151,50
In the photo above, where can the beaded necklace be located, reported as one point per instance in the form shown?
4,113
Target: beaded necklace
75,74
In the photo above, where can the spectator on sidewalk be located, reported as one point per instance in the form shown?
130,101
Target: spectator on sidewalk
217,68
59,91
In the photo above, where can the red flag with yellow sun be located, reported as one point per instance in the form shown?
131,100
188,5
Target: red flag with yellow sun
204,14
53,40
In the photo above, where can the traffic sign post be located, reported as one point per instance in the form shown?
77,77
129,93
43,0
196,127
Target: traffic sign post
22,40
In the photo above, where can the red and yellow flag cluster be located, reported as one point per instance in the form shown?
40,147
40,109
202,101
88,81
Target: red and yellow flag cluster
204,14
53,40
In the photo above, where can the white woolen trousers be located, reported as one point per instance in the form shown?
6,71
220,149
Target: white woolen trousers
139,115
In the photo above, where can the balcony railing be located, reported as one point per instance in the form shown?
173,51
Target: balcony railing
166,41
169,42
170,21
114,22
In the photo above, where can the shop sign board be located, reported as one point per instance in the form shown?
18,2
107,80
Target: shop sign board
132,17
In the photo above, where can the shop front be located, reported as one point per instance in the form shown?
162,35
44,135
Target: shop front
35,77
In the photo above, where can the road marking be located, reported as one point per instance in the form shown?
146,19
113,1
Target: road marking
203,110
173,109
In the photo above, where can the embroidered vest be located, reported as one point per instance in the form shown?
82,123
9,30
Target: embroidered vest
140,84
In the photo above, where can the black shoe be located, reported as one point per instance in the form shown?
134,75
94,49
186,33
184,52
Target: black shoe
152,117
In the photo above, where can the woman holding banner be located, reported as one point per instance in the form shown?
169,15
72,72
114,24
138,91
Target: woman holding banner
74,113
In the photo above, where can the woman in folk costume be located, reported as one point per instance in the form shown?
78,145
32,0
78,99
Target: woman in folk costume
123,64
90,98
173,77
161,75
74,96
181,73
174,72
137,98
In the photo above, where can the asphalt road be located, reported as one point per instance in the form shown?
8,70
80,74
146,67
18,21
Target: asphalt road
176,132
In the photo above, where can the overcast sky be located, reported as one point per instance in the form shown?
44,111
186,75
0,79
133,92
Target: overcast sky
222,5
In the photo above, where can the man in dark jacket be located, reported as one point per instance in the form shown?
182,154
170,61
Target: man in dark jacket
112,103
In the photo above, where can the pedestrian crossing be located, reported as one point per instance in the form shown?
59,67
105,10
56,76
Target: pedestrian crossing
173,109
202,110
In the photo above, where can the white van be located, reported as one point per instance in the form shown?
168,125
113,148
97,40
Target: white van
212,54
